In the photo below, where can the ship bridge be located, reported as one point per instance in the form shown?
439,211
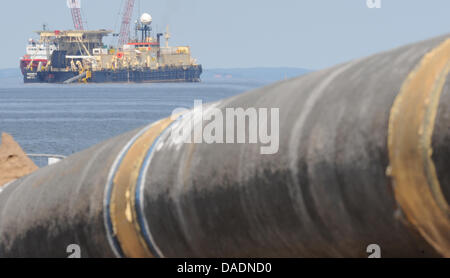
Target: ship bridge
75,42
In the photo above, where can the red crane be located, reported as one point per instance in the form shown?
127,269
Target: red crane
125,27
75,8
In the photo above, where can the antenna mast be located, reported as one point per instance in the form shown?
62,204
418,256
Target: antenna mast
167,36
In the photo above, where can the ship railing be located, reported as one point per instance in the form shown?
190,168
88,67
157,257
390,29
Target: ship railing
42,160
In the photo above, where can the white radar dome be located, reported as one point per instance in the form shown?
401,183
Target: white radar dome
146,19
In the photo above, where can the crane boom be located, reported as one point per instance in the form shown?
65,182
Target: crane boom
126,18
75,8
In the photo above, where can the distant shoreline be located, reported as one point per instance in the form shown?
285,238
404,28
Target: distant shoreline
263,74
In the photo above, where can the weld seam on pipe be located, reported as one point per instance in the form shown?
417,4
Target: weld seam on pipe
113,242
126,223
140,195
412,121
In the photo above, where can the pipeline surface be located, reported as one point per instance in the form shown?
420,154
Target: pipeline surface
363,154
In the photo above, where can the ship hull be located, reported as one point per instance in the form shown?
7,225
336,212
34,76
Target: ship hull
164,74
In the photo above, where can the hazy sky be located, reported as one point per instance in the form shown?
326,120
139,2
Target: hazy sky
246,33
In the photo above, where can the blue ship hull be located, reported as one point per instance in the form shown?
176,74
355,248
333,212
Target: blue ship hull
164,74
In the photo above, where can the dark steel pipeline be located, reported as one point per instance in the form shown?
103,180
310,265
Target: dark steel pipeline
363,156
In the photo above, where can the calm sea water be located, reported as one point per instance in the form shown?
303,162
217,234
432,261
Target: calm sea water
64,119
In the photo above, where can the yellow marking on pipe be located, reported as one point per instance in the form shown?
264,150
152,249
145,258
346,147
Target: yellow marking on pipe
412,119
122,209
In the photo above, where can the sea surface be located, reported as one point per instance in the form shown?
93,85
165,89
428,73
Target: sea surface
65,119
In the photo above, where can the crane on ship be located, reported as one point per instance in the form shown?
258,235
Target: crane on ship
126,19
75,8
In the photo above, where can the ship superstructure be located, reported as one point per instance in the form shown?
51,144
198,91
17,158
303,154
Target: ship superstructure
37,55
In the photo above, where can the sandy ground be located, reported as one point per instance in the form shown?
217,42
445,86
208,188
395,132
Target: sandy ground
14,163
